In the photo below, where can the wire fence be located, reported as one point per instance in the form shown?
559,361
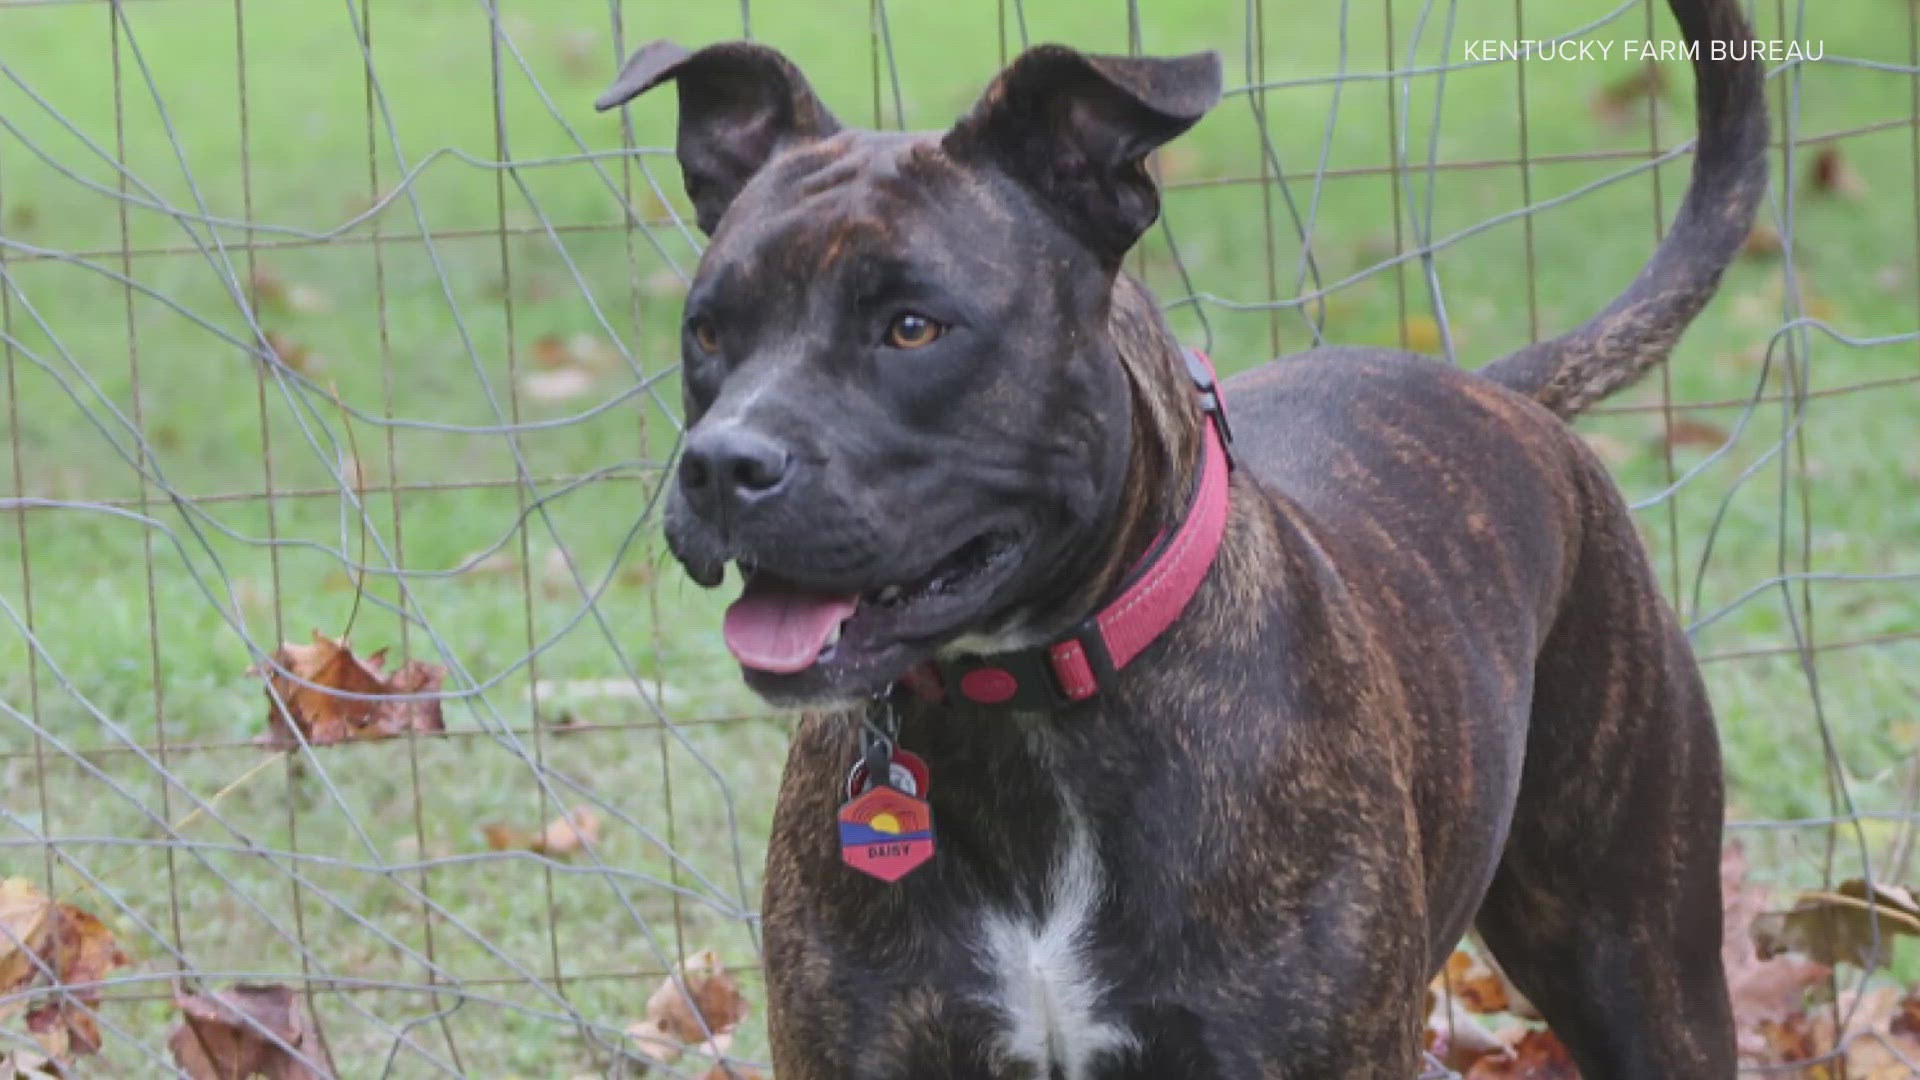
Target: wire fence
355,321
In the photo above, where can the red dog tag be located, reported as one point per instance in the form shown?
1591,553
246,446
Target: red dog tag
886,833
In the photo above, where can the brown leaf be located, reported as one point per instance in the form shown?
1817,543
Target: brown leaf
21,218
41,936
1614,102
1686,431
80,950
225,1036
1831,174
1762,243
1453,1035
269,288
1907,1020
506,837
564,837
1765,989
1539,1055
1476,986
291,353
550,352
324,717
24,912
27,1065
673,1020
730,1071
1851,924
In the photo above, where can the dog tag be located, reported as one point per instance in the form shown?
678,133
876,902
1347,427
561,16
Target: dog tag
886,833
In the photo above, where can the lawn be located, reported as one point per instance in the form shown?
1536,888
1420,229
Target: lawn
474,396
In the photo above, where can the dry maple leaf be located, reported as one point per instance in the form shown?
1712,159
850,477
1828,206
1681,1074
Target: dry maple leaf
46,945
324,718
1764,989
291,353
1475,984
23,936
232,1035
1689,432
674,1019
27,1065
563,835
1539,1055
81,951
1762,243
1614,103
1831,174
1851,924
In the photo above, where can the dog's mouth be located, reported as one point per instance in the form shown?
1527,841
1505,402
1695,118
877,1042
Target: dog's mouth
782,626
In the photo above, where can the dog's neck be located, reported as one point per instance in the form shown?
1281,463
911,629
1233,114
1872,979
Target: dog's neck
1163,459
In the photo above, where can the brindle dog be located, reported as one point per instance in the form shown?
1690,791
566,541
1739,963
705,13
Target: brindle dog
1428,682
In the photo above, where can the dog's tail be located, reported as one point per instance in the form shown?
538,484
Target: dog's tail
1638,330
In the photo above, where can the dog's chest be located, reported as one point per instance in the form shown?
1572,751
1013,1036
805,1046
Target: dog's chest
1049,994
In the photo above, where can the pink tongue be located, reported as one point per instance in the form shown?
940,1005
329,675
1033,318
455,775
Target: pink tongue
778,628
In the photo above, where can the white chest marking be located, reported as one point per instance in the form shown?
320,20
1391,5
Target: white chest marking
1046,991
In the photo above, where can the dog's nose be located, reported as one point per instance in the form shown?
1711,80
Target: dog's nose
730,468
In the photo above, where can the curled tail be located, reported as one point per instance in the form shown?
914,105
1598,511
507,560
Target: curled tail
1638,330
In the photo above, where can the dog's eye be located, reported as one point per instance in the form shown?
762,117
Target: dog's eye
910,330
704,335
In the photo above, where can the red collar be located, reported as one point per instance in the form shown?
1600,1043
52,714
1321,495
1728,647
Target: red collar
1158,590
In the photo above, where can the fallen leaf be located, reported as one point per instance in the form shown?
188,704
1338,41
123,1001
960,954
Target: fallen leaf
561,836
308,300
1851,924
232,1034
506,837
1421,334
730,1071
564,837
1474,984
1765,989
291,353
1454,1035
550,352
1907,1020
81,951
1832,174
27,1065
1614,102
23,936
323,717
556,385
1762,243
1539,1055
674,1016
269,289
1686,431
47,945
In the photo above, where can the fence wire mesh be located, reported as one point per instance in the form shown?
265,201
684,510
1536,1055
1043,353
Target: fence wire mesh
355,319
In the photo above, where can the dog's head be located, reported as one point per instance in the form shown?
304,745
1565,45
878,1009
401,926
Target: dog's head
906,421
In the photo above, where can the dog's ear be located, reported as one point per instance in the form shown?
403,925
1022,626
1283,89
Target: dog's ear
739,104
1076,129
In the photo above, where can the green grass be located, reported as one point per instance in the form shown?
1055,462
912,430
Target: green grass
132,645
